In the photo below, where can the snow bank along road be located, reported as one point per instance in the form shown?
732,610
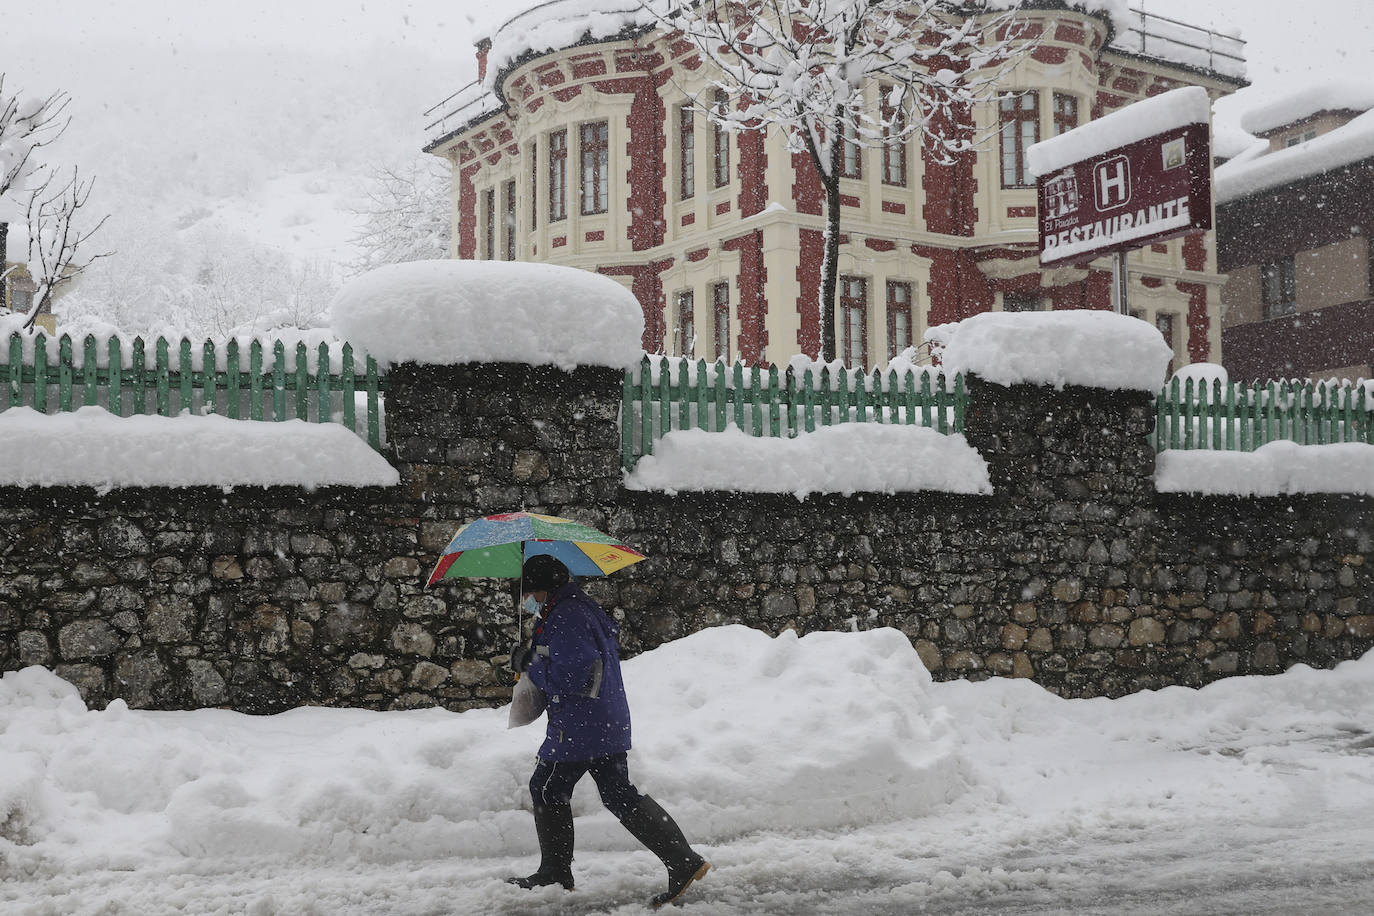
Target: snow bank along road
823,775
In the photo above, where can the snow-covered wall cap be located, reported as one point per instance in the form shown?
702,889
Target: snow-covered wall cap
1166,111
1304,103
1074,347
451,311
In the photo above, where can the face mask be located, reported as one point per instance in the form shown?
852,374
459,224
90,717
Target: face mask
531,605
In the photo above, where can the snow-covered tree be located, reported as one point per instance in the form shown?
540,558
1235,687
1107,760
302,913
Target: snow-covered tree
27,124
406,216
59,249
812,69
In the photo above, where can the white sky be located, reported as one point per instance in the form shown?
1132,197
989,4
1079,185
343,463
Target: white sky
179,106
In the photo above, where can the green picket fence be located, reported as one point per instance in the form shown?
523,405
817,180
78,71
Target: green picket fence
271,382
1242,417
667,393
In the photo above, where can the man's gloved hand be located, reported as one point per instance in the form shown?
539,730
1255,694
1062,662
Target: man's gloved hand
520,658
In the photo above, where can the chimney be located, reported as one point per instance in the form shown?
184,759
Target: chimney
483,46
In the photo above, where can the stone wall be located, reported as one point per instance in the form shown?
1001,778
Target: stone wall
1075,573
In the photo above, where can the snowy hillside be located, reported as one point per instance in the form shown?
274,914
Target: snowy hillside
233,173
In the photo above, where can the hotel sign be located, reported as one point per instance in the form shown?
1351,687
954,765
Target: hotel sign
1145,192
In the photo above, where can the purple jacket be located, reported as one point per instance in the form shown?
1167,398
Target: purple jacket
577,664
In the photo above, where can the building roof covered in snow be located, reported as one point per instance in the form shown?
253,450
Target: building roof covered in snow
539,26
1311,132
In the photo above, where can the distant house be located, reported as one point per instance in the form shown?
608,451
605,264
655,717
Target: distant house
1294,219
584,143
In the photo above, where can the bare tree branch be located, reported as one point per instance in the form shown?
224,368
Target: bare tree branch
58,248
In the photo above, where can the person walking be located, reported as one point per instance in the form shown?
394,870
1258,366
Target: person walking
574,657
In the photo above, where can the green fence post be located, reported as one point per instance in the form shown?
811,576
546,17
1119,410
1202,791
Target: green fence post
186,375
302,380
138,365
209,377
90,370
684,398
722,408
255,380
792,394
774,420
40,373
64,373
14,385
703,392
927,399
324,410
278,381
163,370
646,412
960,403
827,398
943,403
115,356
665,397
349,382
372,385
232,379
809,400
627,454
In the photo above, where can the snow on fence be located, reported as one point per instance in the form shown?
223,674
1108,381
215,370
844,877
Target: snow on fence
1238,417
667,393
277,382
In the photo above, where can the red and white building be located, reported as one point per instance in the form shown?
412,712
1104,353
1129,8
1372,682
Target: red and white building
581,144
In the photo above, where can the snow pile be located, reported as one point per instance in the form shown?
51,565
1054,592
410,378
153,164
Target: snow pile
1075,347
847,458
732,730
451,311
1164,112
1252,794
94,448
1204,376
1294,106
1273,469
1341,147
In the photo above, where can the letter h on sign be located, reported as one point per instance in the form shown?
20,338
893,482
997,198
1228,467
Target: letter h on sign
1112,180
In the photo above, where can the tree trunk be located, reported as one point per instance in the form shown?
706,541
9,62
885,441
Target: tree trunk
830,267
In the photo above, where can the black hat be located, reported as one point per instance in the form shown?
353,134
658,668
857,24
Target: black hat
543,573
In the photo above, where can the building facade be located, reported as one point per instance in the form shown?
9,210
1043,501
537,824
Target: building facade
599,154
1294,216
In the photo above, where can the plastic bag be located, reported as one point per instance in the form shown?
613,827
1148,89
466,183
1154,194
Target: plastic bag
527,703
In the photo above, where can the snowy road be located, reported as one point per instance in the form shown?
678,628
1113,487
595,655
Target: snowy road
1315,865
822,776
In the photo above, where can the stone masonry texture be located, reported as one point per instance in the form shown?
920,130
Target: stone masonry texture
1075,573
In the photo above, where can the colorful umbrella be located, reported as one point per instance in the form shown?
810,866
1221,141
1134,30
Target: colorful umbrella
498,545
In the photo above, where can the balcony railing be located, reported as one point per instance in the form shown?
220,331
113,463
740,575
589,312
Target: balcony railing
1152,35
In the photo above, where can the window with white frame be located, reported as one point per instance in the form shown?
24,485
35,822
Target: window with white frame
596,149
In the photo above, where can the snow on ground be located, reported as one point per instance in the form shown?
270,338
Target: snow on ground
92,447
448,312
848,458
821,775
1055,348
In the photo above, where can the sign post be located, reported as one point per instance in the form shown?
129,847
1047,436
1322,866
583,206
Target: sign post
1140,176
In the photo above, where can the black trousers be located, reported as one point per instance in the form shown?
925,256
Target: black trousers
554,780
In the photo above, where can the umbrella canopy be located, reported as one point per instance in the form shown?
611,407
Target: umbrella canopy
498,545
